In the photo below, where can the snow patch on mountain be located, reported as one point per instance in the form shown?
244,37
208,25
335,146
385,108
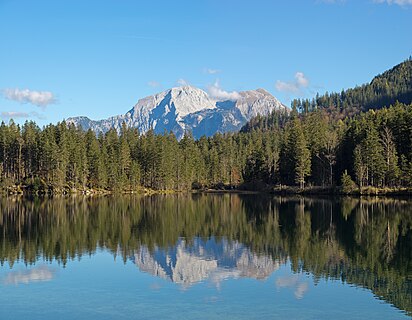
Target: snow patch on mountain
187,108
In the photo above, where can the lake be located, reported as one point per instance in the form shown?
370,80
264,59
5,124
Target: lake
205,256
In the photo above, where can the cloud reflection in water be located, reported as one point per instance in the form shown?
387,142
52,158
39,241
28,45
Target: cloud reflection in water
294,282
37,274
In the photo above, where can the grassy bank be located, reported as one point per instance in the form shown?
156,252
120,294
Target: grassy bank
364,191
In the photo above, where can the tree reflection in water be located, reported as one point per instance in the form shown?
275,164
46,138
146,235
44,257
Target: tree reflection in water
188,238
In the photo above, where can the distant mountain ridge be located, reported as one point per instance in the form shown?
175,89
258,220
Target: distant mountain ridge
187,108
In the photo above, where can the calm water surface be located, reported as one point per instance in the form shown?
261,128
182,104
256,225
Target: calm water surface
205,257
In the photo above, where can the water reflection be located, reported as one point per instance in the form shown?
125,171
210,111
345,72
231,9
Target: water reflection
299,286
199,260
37,274
192,238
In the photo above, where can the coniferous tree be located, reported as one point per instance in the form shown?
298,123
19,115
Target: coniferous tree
297,154
359,166
391,158
373,156
125,161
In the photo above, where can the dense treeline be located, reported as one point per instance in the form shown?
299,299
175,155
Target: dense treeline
394,85
374,148
363,242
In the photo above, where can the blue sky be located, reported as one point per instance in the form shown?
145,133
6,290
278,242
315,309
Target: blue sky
97,58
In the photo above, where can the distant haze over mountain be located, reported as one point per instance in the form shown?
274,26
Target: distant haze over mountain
188,108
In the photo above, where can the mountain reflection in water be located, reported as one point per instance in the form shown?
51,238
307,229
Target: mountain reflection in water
200,260
192,238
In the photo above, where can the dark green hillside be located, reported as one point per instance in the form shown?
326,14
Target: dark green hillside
384,90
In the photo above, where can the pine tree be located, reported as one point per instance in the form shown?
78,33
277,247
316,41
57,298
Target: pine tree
373,156
348,185
391,158
111,146
124,159
359,166
297,153
93,159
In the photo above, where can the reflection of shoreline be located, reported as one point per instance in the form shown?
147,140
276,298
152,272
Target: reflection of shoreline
202,260
363,242
37,274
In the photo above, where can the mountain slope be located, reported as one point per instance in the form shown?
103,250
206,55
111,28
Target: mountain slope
384,90
187,108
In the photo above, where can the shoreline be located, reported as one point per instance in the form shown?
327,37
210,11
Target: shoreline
274,190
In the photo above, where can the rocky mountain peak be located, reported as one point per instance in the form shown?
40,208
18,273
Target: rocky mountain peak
188,108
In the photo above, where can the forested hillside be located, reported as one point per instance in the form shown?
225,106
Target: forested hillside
325,142
374,148
394,85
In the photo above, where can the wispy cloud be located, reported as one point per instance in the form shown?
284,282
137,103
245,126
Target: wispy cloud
300,287
301,82
38,274
398,2
154,84
182,82
211,71
215,91
14,114
38,98
21,115
330,1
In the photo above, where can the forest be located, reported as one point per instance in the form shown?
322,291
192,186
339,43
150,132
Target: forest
371,149
394,85
303,148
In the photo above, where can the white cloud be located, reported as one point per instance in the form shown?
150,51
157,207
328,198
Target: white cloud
301,80
301,290
286,86
182,82
38,98
154,84
398,2
295,86
218,93
294,282
14,114
38,274
21,115
211,71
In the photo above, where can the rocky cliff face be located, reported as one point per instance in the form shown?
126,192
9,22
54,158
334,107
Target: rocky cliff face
188,108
